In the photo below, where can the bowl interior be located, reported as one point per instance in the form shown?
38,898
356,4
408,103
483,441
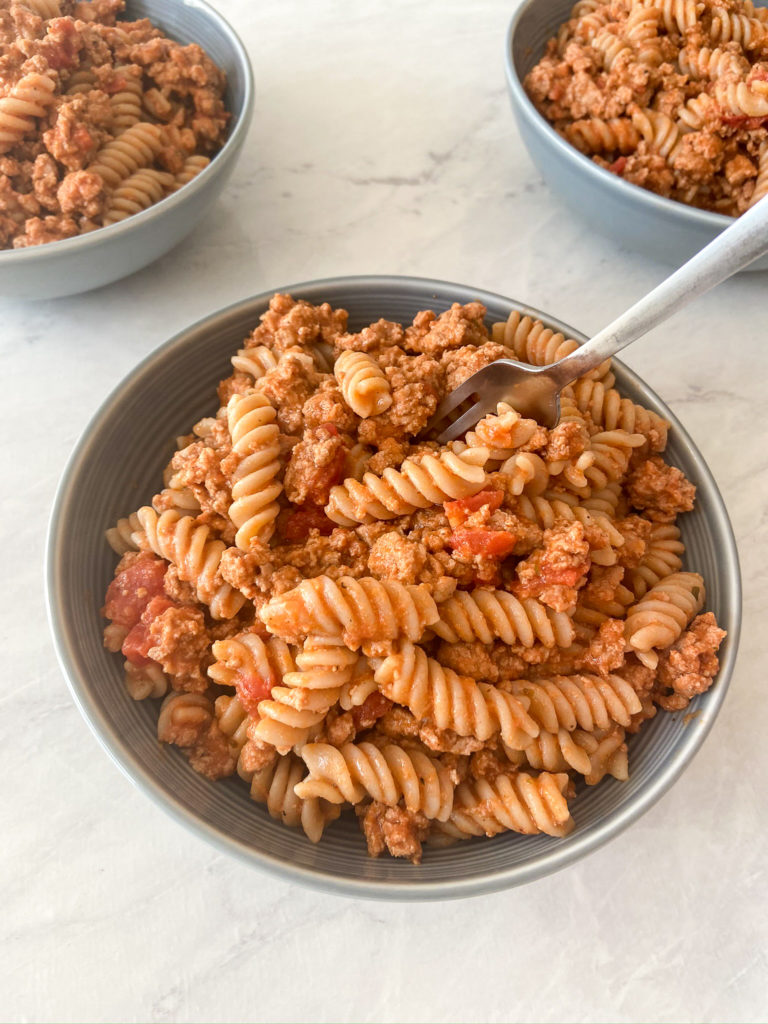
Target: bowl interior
531,28
116,467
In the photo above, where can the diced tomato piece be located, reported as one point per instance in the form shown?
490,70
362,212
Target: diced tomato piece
116,84
468,543
82,138
137,644
61,45
462,508
305,518
618,165
132,589
565,577
325,477
252,689
742,121
372,708
549,577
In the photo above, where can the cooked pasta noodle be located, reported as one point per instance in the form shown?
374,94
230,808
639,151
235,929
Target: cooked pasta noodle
363,383
111,119
387,775
629,84
440,638
138,192
28,100
255,487
304,697
255,361
275,786
134,150
583,701
452,701
517,803
487,615
659,618
197,557
354,611
421,481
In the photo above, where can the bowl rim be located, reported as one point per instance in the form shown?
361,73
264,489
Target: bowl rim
659,205
71,246
578,845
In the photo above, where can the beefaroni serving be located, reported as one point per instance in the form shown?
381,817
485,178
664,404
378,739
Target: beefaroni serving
99,119
447,639
671,95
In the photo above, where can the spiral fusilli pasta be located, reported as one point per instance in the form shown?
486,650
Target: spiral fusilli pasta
452,701
138,192
488,615
695,128
387,775
197,557
421,481
517,803
27,101
363,383
304,696
584,701
439,638
354,611
255,487
661,615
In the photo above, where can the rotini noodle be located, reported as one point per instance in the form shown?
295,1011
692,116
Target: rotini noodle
275,786
518,803
387,774
487,615
138,192
134,150
662,558
255,361
581,701
363,383
196,556
304,697
355,611
660,617
255,488
452,701
27,100
421,481
538,345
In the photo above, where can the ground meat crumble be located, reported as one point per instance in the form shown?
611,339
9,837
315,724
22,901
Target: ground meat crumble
532,546
52,184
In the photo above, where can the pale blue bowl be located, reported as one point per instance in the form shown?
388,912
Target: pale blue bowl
100,257
117,466
663,229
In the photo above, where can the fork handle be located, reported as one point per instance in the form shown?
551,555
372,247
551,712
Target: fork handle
735,248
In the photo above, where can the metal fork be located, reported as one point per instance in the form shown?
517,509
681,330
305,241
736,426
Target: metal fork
534,391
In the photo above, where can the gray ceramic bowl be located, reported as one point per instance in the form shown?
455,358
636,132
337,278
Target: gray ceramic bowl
100,257
116,466
661,228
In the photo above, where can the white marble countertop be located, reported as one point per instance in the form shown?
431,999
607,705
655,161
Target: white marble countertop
382,142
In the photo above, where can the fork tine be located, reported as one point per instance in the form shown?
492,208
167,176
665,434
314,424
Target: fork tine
466,421
470,387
